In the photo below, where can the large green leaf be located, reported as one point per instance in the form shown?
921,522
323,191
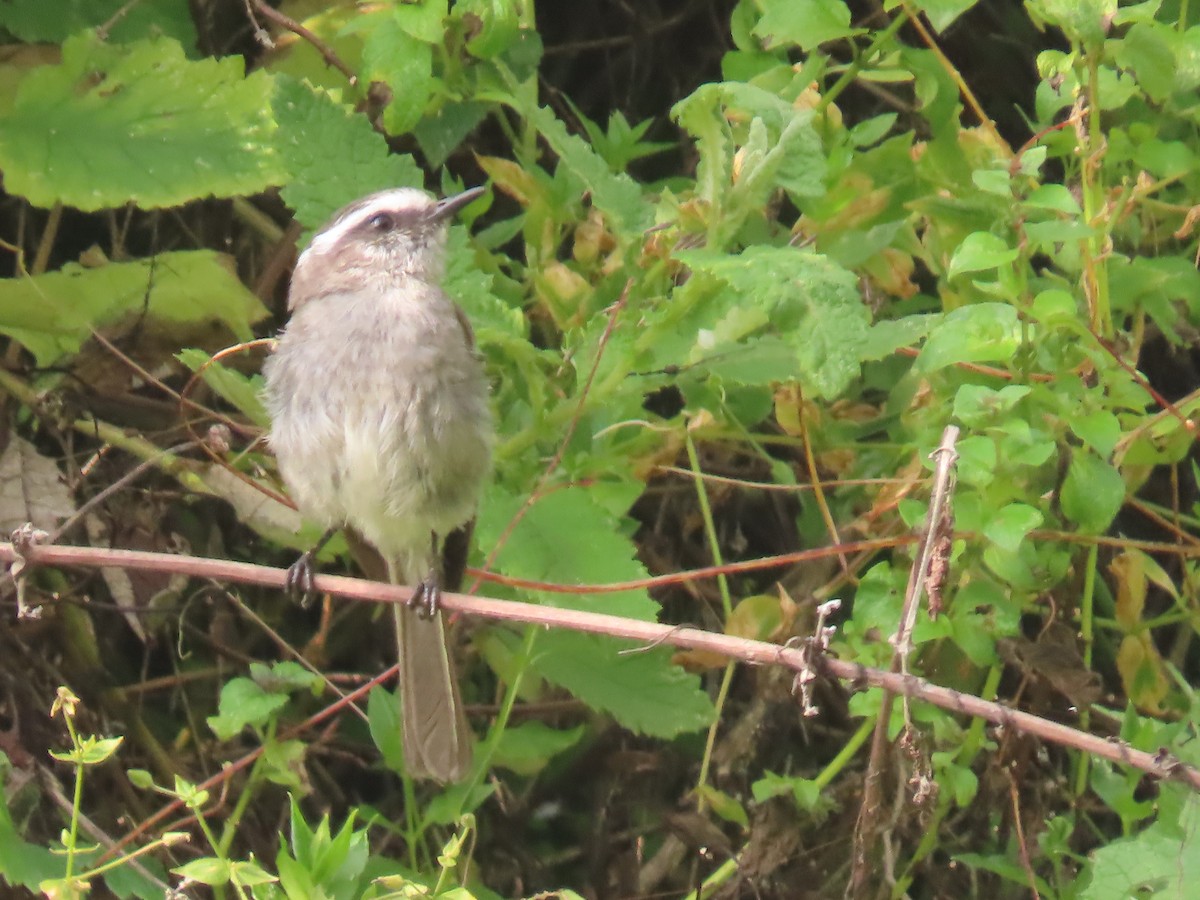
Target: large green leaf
136,123
329,155
810,302
52,315
569,537
42,22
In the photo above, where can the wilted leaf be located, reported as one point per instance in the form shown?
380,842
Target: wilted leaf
31,488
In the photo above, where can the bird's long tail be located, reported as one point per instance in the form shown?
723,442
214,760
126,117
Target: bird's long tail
437,738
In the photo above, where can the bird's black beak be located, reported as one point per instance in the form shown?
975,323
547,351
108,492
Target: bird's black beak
448,207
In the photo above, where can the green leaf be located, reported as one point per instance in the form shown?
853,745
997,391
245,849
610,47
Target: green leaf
980,251
805,792
286,676
1007,527
52,315
244,703
807,23
977,406
643,690
22,863
243,392
1099,429
94,751
725,806
441,132
140,778
206,870
981,332
1053,196
138,123
401,60
383,718
1092,493
249,874
976,460
526,748
39,22
494,25
943,13
1161,861
811,302
1083,21
569,537
615,194
330,154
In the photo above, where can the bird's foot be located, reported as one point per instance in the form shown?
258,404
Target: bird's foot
299,580
427,597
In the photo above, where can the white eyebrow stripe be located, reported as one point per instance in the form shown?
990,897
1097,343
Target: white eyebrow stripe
400,200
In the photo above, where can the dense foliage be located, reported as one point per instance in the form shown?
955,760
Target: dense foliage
737,267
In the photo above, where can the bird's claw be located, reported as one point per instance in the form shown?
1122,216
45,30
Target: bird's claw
427,597
299,579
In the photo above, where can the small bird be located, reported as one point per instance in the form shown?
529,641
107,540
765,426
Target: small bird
381,427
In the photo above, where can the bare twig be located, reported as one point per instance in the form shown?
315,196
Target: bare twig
936,522
290,24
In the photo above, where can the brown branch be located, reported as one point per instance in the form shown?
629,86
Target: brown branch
936,521
290,24
1161,764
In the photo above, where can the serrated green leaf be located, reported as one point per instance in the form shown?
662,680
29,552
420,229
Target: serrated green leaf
1092,493
137,123
243,703
330,154
812,303
569,537
643,690
806,24
981,332
613,193
526,748
52,315
440,132
491,317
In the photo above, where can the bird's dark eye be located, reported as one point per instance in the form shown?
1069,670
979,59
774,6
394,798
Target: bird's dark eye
381,222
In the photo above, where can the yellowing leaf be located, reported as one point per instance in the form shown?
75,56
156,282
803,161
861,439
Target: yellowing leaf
1142,673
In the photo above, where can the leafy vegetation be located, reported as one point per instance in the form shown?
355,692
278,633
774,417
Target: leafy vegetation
729,298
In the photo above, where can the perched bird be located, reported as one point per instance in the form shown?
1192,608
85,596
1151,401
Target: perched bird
381,427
